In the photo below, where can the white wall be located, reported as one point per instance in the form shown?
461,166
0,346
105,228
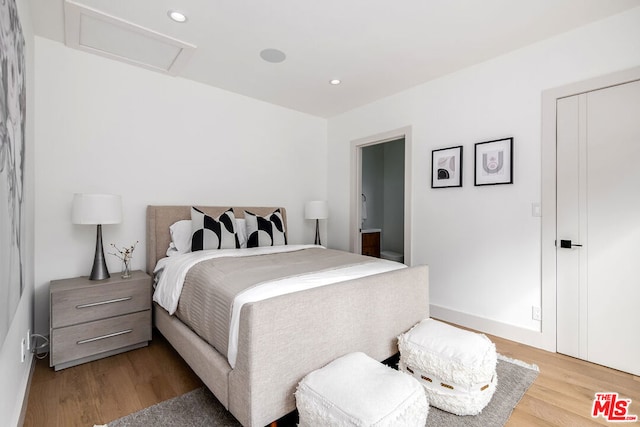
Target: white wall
482,243
104,126
14,374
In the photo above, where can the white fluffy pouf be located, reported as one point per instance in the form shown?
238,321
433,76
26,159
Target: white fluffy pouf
356,390
456,367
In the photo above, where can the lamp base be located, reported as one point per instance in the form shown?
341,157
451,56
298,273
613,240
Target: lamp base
99,270
317,241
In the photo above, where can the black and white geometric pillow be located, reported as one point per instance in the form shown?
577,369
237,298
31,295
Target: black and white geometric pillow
265,230
210,233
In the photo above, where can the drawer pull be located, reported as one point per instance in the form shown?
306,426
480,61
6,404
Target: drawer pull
111,301
102,337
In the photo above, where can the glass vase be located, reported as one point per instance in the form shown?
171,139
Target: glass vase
126,268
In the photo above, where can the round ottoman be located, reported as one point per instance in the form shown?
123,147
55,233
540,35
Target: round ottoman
456,367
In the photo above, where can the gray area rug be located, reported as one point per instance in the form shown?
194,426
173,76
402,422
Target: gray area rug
199,408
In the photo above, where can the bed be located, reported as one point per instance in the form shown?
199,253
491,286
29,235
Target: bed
281,339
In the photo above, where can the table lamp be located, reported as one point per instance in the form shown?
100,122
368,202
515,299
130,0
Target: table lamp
97,209
316,210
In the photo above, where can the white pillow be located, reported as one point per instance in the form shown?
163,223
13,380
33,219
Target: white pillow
180,237
241,231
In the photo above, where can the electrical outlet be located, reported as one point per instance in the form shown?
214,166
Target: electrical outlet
23,354
536,313
28,339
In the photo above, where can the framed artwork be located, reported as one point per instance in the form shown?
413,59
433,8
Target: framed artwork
446,167
12,150
494,162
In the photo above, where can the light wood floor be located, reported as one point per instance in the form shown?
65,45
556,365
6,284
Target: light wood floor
107,389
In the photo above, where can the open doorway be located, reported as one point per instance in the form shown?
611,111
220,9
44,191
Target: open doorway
382,210
380,224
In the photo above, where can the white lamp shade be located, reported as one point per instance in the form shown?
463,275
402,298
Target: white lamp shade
316,210
96,209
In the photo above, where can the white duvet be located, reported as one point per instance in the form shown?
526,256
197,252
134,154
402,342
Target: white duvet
171,272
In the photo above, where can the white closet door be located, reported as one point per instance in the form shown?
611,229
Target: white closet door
571,330
598,179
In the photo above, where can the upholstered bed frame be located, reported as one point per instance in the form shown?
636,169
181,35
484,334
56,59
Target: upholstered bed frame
282,339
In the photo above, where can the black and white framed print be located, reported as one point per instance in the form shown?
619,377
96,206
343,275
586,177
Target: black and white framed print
446,167
12,160
494,162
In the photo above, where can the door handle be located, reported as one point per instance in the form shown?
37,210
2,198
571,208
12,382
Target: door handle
567,244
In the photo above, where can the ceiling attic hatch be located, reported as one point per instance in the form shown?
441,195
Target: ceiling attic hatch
93,31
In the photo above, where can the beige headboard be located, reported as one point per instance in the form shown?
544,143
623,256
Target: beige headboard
159,218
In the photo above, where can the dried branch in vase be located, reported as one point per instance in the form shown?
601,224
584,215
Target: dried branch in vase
126,253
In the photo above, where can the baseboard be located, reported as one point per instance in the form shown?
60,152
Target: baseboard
493,327
26,387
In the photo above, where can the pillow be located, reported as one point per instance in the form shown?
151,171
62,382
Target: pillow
265,230
213,233
180,237
241,231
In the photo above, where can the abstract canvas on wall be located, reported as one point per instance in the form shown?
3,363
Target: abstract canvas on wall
446,167
12,150
494,162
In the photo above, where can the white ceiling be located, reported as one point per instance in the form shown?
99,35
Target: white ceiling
376,47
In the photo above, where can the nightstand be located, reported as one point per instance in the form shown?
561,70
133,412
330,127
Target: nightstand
94,319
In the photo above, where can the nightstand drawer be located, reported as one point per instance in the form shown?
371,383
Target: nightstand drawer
87,339
71,307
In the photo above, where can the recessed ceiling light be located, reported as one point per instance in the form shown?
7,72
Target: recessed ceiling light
335,81
273,55
177,16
